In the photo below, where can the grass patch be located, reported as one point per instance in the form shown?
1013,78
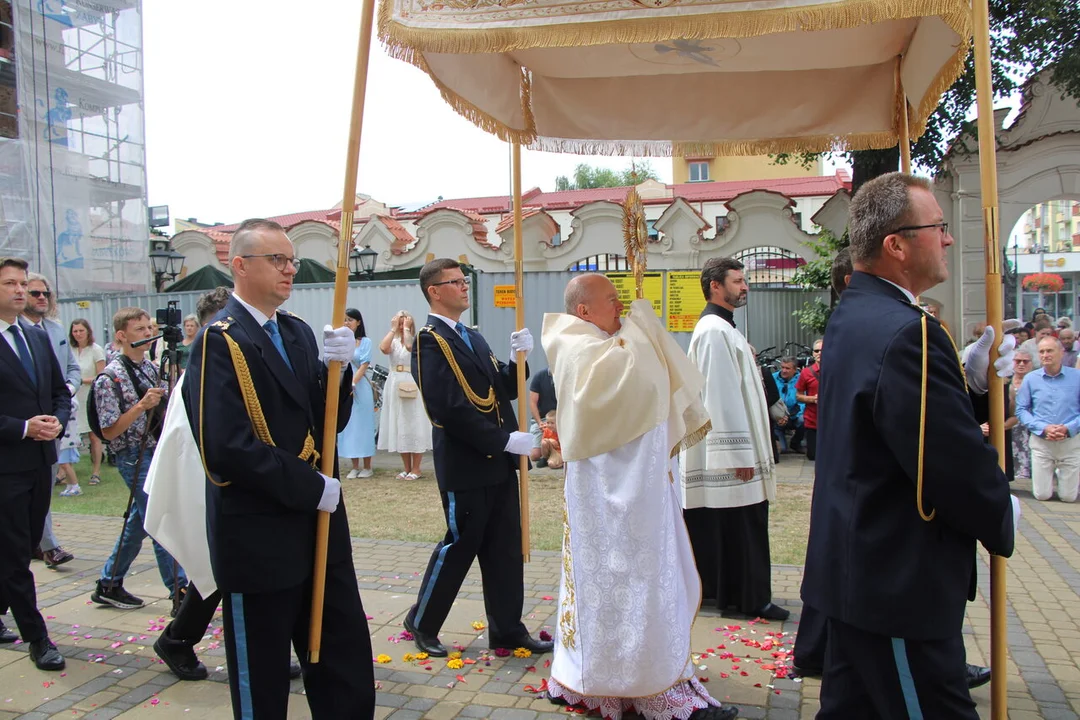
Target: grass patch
109,498
789,524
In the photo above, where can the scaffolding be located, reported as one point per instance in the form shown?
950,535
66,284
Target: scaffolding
73,200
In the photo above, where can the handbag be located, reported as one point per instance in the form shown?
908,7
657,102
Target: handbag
407,390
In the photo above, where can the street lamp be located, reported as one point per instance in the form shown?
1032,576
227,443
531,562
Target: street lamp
362,262
165,262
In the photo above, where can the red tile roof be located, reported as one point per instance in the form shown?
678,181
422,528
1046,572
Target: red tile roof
402,237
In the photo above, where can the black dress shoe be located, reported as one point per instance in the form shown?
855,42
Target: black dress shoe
427,643
771,612
7,635
536,647
556,700
180,658
806,671
45,655
724,712
977,675
294,670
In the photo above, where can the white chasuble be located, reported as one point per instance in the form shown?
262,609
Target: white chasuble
176,486
740,436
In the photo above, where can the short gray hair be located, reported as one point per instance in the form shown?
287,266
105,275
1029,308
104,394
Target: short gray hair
243,239
193,318
38,277
878,208
577,292
789,360
1050,337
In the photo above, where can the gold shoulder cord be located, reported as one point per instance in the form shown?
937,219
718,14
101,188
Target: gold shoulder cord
483,404
251,403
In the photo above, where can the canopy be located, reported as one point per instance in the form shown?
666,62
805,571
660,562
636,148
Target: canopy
207,277
312,271
686,77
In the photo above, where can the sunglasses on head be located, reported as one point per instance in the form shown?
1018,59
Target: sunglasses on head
40,293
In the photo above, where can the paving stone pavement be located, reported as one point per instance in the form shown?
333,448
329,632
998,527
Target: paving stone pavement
112,671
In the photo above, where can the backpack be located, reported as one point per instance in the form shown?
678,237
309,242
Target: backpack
92,418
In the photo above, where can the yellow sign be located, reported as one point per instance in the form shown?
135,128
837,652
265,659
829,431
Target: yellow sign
82,304
505,296
652,288
684,301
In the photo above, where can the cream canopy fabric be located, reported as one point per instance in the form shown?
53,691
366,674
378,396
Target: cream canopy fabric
685,77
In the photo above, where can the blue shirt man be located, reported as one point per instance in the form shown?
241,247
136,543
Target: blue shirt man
1048,404
786,378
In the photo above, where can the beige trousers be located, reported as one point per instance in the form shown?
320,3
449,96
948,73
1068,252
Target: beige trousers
1062,456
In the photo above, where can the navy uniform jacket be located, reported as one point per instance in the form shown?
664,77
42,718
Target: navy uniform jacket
467,444
262,500
21,401
872,561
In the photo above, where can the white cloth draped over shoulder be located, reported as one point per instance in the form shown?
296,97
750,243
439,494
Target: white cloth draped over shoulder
176,486
739,437
630,589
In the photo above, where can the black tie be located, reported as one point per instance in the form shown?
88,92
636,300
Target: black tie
24,354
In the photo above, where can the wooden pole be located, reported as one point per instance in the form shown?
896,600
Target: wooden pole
988,171
341,287
519,313
903,131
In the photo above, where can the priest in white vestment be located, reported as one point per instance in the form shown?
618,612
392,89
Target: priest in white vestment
628,401
727,481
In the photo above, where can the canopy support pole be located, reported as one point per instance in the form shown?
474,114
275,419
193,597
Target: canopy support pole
902,118
341,288
519,312
988,171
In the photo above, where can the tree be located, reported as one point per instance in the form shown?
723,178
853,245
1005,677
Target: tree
817,275
1026,37
586,176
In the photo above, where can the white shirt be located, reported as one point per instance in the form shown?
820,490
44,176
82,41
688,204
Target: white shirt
452,323
4,325
907,293
259,316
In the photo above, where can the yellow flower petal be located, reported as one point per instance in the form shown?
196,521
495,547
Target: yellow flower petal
408,657
477,625
456,655
421,656
523,652
382,659
455,663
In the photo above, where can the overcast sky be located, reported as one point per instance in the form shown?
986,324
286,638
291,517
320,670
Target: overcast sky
247,114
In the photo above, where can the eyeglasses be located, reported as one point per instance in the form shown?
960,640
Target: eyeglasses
278,260
1018,361
40,293
943,225
816,350
460,282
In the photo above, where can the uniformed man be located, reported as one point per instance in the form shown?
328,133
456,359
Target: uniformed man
255,396
467,393
891,555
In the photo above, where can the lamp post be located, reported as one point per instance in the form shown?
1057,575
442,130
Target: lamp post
165,262
362,262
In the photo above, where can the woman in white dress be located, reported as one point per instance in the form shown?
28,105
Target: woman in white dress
91,357
403,425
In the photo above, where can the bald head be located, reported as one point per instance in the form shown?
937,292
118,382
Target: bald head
593,298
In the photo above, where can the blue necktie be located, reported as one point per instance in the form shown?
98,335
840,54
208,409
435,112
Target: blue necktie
464,333
24,354
271,328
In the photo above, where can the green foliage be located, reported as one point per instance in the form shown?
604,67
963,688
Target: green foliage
586,176
814,315
817,275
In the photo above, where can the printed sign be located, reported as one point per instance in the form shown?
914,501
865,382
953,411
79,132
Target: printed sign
684,300
505,296
652,288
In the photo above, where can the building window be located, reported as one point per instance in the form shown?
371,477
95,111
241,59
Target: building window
699,171
722,224
654,234
601,263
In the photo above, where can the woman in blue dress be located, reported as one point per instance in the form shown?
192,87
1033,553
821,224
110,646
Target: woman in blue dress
357,440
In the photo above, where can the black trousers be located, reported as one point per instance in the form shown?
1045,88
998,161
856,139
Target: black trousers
811,443
869,676
811,639
731,549
258,630
483,524
24,503
196,612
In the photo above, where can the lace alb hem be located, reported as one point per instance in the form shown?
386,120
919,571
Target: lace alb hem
677,703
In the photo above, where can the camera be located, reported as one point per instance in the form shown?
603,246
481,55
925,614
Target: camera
168,320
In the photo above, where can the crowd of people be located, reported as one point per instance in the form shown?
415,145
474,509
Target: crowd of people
669,460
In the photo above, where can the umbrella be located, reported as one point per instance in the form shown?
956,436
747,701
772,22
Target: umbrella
207,277
312,271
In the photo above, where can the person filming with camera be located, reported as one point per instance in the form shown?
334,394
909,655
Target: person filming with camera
128,400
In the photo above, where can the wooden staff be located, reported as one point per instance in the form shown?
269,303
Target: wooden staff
341,288
984,90
519,321
903,131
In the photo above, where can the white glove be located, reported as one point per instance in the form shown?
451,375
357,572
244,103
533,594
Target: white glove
338,344
1016,513
977,360
521,341
331,494
520,443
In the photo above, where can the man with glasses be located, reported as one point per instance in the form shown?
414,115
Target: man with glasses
891,556
468,394
806,392
254,393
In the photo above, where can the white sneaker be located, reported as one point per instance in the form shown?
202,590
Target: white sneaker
352,474
71,491
366,473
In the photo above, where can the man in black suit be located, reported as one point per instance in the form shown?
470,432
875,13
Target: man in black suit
255,396
467,393
34,408
891,555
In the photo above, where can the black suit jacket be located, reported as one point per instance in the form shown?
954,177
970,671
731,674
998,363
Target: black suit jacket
467,444
20,401
872,561
261,507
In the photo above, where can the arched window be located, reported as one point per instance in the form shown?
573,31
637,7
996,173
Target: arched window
769,266
601,263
